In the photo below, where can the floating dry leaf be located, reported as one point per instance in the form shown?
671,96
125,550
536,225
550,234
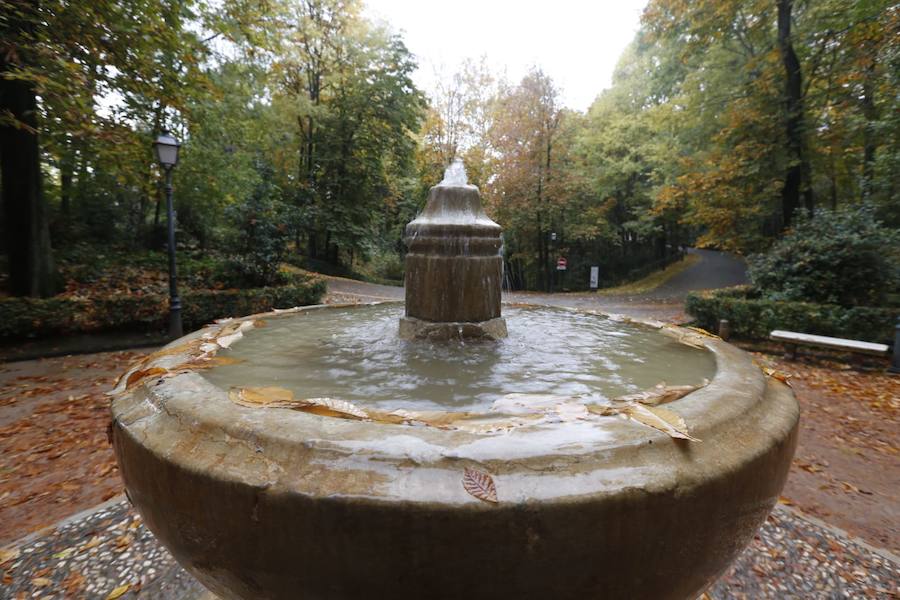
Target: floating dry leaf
41,581
660,418
480,484
118,592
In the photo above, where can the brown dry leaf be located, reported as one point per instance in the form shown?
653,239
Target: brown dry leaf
571,411
781,376
138,376
208,363
332,407
267,396
185,348
662,393
660,418
41,582
119,591
702,331
92,543
604,410
480,484
8,554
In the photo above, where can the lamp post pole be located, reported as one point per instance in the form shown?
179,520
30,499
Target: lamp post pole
175,329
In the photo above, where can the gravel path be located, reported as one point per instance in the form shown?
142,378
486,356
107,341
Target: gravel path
94,554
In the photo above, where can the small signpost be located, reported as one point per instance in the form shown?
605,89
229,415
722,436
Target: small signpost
595,277
561,264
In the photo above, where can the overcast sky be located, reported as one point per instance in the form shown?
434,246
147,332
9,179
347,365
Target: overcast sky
575,42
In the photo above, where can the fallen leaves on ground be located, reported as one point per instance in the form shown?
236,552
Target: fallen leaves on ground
54,456
480,484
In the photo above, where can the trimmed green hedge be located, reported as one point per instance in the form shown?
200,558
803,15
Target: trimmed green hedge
35,317
753,317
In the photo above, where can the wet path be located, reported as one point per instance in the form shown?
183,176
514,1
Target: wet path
713,270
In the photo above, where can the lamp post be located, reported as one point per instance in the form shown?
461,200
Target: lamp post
166,150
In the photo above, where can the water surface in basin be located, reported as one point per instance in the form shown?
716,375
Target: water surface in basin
355,354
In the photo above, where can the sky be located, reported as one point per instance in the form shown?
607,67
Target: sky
576,42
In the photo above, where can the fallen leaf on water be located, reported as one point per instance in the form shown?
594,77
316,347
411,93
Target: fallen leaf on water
41,582
480,484
660,418
8,554
119,591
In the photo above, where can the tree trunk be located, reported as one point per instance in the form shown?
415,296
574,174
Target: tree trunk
796,178
870,112
31,268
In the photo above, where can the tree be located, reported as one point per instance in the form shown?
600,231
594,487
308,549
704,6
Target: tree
31,268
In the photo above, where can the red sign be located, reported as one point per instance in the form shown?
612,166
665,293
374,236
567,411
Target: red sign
561,264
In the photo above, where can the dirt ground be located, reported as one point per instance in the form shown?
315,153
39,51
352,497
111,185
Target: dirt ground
54,456
55,459
847,467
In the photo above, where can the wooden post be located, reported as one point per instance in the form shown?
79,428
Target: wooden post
724,329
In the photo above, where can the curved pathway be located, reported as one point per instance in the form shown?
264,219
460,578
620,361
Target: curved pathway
714,270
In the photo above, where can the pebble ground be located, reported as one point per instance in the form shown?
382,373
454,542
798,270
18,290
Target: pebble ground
110,554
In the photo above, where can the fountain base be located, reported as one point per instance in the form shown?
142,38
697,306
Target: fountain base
412,328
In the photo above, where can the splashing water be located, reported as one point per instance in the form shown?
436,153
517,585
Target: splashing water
455,174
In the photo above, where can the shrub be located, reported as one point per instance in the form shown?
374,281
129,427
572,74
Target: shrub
260,242
34,317
753,317
843,257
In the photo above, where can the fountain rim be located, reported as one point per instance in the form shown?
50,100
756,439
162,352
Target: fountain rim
187,404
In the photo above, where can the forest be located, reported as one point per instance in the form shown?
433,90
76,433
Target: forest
306,141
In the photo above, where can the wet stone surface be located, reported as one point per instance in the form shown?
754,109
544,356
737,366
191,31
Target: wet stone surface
101,553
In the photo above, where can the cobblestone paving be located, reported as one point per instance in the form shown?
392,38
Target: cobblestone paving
110,554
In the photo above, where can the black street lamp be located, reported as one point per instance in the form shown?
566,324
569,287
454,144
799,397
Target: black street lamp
166,150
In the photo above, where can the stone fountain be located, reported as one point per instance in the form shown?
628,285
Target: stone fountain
314,453
453,268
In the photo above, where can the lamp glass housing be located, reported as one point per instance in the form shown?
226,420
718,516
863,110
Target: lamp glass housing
166,150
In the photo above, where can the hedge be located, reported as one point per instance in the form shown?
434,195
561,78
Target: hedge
753,317
36,317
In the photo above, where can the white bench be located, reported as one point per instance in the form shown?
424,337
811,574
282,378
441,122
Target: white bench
792,339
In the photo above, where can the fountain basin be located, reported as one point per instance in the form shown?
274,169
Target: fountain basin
278,503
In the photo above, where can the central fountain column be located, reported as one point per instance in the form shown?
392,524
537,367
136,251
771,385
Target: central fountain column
453,267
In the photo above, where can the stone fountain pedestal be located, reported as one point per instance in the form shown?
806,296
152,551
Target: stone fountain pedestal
454,267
